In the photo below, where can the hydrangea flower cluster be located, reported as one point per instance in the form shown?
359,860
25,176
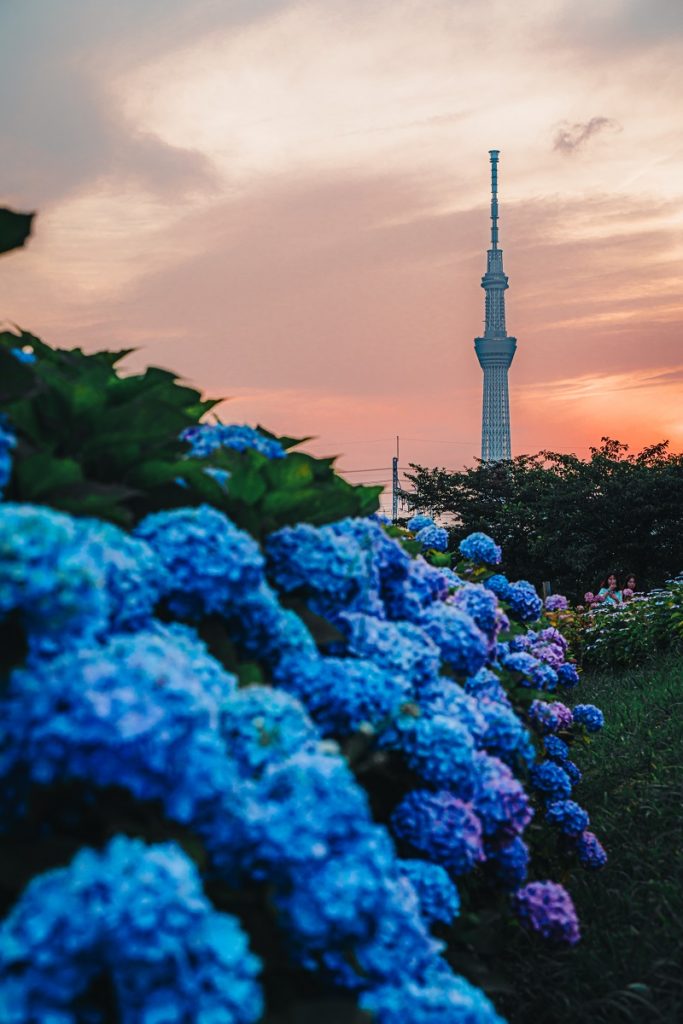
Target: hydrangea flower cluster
547,909
437,895
434,537
569,817
8,443
442,827
556,603
206,438
139,913
590,717
479,547
207,562
590,851
411,665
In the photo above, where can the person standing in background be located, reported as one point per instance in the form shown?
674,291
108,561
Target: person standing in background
608,593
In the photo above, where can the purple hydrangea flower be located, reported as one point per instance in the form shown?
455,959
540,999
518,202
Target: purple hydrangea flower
590,851
547,908
556,603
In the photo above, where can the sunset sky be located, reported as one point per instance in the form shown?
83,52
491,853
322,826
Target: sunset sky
287,203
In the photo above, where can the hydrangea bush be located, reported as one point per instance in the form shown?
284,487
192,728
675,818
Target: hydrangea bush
642,628
269,748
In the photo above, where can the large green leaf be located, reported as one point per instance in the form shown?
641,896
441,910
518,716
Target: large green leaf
14,229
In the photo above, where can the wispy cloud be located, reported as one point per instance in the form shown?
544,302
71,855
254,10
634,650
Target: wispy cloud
590,385
570,137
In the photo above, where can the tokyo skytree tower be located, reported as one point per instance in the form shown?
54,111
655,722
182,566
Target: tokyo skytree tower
495,350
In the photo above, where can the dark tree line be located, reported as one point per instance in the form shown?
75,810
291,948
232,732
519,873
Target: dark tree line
565,519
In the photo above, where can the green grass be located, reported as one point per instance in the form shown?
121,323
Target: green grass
629,966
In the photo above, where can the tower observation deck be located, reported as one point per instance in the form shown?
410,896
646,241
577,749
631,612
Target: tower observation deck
495,350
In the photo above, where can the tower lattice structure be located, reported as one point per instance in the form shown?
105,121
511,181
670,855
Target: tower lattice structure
495,351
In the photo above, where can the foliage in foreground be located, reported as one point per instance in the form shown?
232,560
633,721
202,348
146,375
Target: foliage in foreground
627,969
565,519
283,699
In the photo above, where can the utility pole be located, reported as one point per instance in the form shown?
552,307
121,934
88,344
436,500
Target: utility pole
394,485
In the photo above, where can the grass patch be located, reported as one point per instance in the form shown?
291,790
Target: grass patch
629,966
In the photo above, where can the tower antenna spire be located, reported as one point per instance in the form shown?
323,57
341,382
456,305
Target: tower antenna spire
493,154
495,350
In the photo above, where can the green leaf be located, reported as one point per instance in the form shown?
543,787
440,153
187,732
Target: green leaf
14,229
42,474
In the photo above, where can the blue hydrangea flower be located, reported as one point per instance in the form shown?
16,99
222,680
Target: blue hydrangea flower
567,675
407,596
8,443
134,577
275,634
418,523
547,908
463,645
569,817
499,799
343,695
433,537
395,646
523,600
499,584
134,714
52,574
480,548
573,772
510,863
442,827
438,748
206,438
556,749
446,697
551,780
400,936
328,561
330,901
437,895
535,673
486,686
506,735
138,914
262,726
590,717
590,851
452,578
208,562
481,605
311,806
440,998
